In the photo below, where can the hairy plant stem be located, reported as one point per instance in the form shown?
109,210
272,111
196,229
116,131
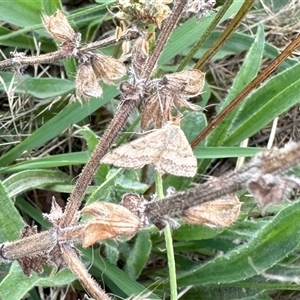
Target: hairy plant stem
86,176
58,55
269,162
167,29
117,123
78,268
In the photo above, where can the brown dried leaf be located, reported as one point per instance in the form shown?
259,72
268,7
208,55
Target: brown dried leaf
33,262
217,213
166,148
109,221
108,68
86,83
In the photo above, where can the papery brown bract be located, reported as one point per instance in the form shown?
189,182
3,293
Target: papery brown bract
107,68
187,83
157,111
271,189
108,221
140,53
58,27
221,212
86,83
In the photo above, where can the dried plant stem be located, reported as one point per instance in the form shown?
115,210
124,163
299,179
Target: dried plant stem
273,162
206,34
169,244
225,35
40,242
58,55
77,267
86,176
248,89
116,124
28,246
168,27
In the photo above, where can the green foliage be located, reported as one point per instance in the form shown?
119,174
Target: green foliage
220,263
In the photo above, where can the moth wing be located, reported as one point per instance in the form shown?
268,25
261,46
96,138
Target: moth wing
138,153
178,157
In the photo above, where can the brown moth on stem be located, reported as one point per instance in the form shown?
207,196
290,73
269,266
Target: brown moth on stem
166,148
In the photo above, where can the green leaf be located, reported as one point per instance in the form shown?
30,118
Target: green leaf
53,161
44,88
246,74
190,31
10,220
31,179
270,245
69,115
139,255
102,191
119,281
273,98
221,152
16,285
21,12
195,232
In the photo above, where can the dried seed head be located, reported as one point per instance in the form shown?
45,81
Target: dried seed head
107,68
217,213
108,221
187,83
201,8
270,189
58,26
86,83
140,54
143,12
158,111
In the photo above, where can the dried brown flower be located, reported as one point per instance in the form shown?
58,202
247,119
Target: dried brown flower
86,83
108,221
107,68
271,189
157,111
140,52
187,83
58,26
171,91
201,8
217,213
143,12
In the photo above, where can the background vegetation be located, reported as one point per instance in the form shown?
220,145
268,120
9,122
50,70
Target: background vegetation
46,138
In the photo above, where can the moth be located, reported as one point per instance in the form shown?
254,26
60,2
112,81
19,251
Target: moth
166,148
